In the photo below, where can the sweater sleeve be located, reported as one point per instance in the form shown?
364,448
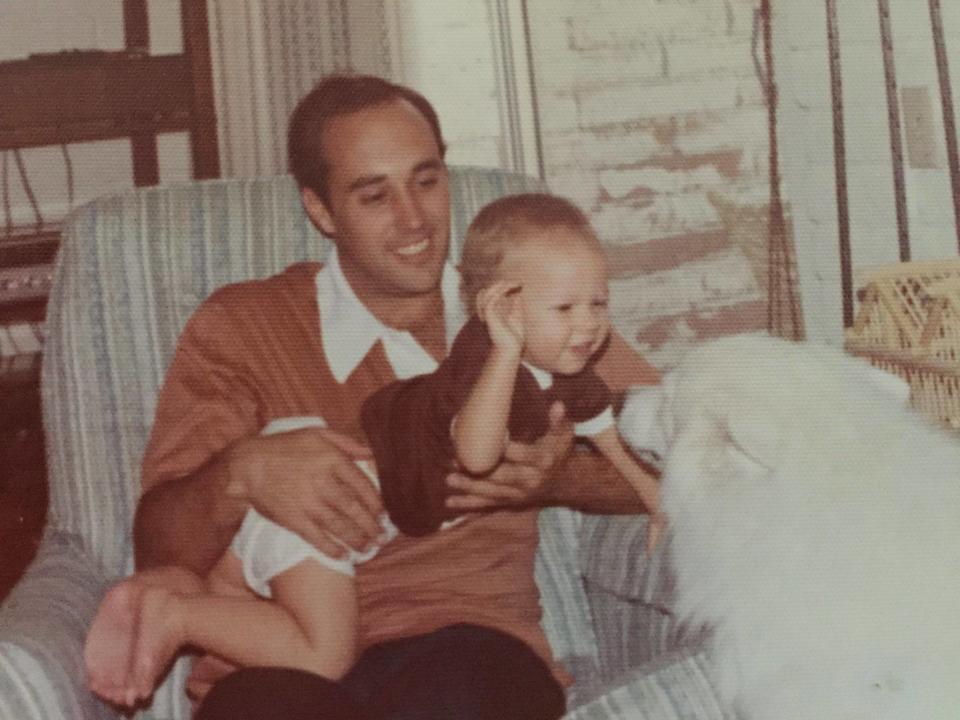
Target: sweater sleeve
207,401
407,424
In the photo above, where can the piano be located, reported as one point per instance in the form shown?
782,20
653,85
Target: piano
26,270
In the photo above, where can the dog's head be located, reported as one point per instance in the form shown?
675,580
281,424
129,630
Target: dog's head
735,410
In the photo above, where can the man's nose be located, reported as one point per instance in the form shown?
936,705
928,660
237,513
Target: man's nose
408,211
587,319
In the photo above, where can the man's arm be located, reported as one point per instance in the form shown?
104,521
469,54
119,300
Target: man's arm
205,464
188,521
549,473
305,480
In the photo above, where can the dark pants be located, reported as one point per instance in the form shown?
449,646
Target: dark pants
460,672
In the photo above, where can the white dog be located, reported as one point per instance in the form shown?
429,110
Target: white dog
815,525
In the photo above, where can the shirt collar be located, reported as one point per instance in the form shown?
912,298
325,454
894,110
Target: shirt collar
350,330
544,379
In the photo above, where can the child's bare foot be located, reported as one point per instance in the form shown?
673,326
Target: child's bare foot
108,652
160,635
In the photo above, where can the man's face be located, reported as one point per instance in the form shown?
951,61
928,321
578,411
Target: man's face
388,203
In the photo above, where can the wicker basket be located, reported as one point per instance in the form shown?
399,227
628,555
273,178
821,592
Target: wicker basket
909,323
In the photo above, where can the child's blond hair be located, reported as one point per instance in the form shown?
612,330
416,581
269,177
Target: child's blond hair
505,223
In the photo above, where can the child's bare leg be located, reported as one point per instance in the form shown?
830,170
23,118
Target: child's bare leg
109,648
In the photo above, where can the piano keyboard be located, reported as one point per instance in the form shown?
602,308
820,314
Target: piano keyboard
20,347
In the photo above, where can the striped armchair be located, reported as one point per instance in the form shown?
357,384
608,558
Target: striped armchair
131,270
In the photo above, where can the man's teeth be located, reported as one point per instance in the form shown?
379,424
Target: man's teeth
415,248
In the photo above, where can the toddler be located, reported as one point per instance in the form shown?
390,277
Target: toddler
534,279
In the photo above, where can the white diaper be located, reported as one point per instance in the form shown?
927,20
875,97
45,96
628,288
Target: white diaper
266,549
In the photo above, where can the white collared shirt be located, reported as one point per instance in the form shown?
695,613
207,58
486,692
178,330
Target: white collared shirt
350,330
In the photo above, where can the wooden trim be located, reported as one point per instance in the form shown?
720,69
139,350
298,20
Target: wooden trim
136,25
92,96
143,145
840,164
146,159
896,141
779,257
196,48
946,103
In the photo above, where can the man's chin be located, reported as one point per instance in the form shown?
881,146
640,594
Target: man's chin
418,280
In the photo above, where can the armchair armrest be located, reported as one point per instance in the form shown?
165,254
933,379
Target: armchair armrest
612,557
630,595
43,623
679,685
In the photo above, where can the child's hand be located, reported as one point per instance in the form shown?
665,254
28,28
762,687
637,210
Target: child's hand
655,528
498,306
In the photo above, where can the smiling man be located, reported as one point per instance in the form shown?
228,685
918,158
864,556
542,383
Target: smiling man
449,623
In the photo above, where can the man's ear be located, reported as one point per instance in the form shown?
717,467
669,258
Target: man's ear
318,213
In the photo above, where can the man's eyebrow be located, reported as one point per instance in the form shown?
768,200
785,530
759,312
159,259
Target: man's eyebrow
366,180
431,164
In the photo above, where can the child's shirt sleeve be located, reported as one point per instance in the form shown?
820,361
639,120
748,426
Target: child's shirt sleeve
587,401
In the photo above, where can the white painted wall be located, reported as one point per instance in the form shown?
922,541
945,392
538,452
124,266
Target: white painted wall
454,54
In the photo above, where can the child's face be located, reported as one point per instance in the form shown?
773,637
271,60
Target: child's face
563,279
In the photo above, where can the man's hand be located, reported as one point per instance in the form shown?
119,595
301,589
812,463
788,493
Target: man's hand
523,477
307,481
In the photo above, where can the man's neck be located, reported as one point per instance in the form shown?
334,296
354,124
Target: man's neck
404,312
418,314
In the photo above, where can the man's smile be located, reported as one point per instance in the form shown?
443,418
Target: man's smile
414,248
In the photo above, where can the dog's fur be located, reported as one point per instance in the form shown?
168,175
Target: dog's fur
815,525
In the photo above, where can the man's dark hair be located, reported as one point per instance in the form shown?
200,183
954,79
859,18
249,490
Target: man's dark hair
332,97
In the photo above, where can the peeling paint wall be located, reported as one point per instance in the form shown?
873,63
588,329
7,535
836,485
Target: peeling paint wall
653,120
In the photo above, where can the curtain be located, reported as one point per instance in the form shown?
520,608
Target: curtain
267,54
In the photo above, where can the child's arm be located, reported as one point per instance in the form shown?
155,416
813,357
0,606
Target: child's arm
479,430
609,443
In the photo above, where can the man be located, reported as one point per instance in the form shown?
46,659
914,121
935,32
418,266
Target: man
450,621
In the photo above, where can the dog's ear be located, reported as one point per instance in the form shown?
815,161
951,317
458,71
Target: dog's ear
754,434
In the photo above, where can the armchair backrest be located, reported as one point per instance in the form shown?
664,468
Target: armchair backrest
131,270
